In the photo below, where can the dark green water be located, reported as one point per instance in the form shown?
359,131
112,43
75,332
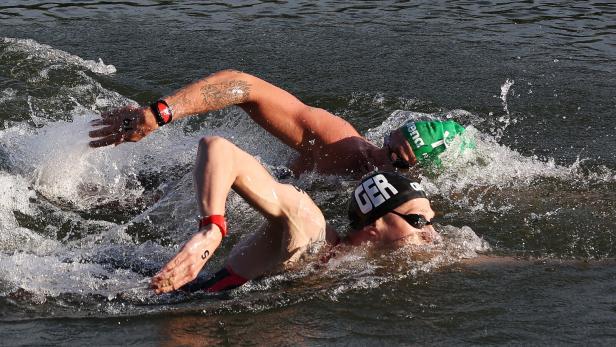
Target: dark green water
82,230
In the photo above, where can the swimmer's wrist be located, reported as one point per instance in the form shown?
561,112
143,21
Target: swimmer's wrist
149,118
215,219
212,232
162,112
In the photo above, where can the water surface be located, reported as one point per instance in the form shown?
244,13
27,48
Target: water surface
529,215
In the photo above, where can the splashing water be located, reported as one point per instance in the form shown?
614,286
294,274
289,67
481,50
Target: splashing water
52,56
506,118
97,223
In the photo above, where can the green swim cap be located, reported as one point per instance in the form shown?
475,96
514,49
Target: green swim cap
429,139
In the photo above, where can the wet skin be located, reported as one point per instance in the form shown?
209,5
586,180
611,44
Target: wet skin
326,143
392,230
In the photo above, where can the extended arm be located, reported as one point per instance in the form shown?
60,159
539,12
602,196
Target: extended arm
221,166
273,108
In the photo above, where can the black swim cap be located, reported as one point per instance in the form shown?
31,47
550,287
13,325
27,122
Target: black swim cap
377,194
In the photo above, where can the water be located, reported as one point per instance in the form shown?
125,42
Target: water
529,251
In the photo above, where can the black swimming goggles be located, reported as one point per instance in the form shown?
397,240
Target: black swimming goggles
417,221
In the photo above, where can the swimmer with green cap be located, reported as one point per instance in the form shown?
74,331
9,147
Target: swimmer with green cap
325,143
427,141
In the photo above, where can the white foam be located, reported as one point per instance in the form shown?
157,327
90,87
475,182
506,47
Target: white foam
7,95
50,276
488,164
60,164
15,195
53,55
356,268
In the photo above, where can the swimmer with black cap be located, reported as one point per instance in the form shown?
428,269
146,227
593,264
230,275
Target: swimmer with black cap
385,209
326,143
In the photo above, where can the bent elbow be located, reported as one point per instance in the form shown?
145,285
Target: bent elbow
213,142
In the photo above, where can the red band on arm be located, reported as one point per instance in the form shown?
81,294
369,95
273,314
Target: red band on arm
162,112
217,219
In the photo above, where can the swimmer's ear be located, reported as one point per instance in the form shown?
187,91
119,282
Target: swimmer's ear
368,233
372,232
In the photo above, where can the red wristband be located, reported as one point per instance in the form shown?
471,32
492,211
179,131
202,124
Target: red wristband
216,219
162,112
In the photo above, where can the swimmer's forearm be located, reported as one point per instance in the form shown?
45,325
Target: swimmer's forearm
221,166
273,108
215,172
215,92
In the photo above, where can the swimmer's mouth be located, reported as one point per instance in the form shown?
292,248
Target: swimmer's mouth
426,236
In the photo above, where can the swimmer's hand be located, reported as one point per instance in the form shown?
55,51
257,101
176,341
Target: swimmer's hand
126,124
185,266
400,152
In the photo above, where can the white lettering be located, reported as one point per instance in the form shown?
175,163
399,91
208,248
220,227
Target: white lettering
416,186
412,129
382,184
364,204
373,192
441,142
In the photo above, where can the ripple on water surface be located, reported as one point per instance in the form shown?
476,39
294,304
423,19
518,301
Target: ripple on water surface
81,230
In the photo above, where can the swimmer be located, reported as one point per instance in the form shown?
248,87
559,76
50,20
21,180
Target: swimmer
385,209
326,143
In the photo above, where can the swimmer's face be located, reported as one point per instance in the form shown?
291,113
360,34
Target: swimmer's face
400,152
394,230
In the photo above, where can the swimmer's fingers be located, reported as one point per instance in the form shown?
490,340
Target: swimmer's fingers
166,282
185,266
405,153
163,280
173,282
129,134
399,148
113,139
107,123
115,117
113,136
179,271
98,122
103,132
110,133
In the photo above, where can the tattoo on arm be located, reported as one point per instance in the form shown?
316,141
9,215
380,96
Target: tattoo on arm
223,94
205,254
